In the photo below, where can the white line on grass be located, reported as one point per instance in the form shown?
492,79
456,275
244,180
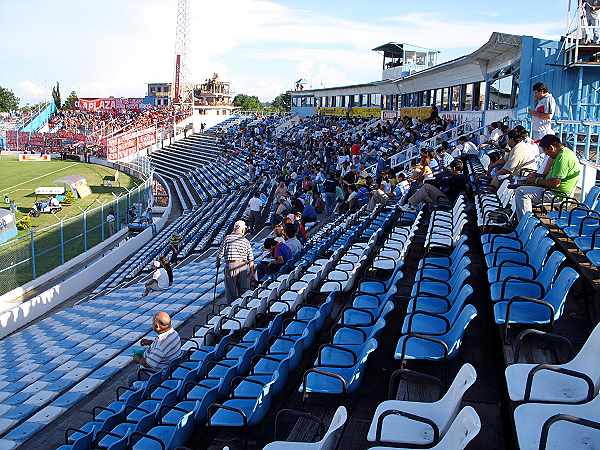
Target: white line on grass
37,178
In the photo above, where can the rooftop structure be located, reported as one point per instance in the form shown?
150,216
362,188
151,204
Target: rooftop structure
401,60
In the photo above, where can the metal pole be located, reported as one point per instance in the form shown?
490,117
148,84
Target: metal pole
62,244
32,237
118,214
85,231
102,222
128,206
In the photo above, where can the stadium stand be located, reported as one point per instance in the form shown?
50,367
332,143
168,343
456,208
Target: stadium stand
383,308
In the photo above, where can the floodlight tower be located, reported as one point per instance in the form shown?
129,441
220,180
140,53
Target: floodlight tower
182,87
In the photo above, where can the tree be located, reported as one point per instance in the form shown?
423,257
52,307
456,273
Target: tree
8,100
283,102
247,102
56,95
71,99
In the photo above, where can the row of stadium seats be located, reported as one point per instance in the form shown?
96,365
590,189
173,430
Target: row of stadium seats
554,404
223,369
54,363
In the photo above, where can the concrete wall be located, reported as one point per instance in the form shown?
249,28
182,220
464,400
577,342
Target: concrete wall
18,316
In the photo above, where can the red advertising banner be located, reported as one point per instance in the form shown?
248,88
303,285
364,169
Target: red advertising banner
127,144
99,104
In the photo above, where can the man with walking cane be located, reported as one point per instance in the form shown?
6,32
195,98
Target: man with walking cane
238,261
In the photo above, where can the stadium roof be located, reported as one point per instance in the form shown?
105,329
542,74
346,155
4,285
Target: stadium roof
498,44
394,47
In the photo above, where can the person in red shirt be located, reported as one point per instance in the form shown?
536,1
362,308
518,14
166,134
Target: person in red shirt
355,149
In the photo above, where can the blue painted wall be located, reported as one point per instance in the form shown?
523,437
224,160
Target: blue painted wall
542,60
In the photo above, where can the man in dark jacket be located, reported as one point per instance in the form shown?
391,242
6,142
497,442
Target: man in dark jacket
445,188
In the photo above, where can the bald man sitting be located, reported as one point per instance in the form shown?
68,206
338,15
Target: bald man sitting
164,348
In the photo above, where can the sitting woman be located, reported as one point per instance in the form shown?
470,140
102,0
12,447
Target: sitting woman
421,173
278,253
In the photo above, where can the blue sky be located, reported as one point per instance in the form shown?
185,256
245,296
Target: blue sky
113,47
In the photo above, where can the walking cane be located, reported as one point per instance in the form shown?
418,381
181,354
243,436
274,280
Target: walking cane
215,288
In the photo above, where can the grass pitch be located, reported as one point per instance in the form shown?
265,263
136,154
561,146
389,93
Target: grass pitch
52,245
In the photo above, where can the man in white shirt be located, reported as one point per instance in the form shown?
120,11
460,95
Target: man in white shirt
255,206
522,156
443,158
164,348
544,110
159,280
495,132
464,147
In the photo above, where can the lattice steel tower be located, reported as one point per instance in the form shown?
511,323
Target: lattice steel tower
182,86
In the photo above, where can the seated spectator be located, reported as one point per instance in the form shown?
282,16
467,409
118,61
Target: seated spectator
496,163
279,254
300,228
402,186
522,155
464,147
443,158
377,197
164,348
159,280
292,241
561,179
443,189
309,214
278,232
164,262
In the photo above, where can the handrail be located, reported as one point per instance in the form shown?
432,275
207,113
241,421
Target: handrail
34,113
426,143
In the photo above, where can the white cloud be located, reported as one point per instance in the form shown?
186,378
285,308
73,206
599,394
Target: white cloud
30,92
115,47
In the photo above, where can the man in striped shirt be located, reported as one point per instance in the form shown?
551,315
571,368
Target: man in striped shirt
238,258
164,348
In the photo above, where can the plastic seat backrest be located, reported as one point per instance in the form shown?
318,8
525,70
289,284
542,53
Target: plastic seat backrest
465,426
550,269
586,360
540,252
591,198
562,285
454,336
369,347
331,437
530,222
451,401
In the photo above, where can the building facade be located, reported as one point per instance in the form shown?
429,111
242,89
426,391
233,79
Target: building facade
159,94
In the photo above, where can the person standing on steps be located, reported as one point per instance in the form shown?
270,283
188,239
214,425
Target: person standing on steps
238,258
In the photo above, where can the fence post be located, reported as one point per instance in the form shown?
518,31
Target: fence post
32,237
62,244
118,219
85,231
102,222
128,206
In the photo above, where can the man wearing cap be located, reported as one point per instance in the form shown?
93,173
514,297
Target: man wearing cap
236,253
159,280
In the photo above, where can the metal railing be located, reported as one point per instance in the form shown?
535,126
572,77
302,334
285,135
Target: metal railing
408,154
37,251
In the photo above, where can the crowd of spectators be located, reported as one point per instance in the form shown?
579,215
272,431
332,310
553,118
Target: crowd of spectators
107,122
328,164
